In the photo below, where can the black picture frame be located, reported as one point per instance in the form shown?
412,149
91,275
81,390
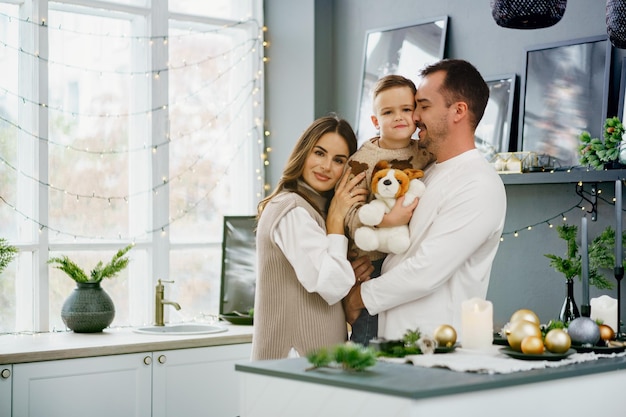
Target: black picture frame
493,133
564,92
403,50
621,110
238,276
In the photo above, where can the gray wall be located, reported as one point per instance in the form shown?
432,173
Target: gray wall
316,62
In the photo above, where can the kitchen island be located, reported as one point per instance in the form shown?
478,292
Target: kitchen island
285,388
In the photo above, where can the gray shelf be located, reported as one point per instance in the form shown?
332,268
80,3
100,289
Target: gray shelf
563,177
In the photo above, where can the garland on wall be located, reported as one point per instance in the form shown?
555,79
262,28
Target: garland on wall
239,103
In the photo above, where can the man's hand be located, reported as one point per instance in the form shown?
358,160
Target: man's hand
362,268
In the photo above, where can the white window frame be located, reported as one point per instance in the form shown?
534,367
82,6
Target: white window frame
32,284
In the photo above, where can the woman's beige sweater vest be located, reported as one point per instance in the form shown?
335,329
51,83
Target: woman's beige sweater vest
285,314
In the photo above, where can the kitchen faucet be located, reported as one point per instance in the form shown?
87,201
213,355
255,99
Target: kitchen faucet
160,301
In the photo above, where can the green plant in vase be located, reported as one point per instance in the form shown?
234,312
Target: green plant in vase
599,153
89,308
599,256
571,264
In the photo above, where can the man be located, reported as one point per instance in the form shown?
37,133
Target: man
457,225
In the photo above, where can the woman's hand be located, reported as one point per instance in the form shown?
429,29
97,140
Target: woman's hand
346,195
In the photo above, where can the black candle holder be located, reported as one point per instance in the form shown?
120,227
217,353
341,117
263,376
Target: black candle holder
619,274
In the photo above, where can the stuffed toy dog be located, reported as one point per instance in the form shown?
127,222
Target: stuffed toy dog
388,184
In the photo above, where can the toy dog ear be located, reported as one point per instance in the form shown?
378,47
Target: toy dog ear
414,173
380,165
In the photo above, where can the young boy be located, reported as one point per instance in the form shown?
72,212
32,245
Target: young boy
393,105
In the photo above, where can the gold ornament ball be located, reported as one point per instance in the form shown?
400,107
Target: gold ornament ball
525,314
606,332
532,345
557,341
445,335
518,330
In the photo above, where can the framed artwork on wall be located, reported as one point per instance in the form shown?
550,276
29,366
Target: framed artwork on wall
564,92
493,134
238,277
399,50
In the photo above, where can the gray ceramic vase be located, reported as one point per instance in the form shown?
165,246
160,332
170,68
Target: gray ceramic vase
88,309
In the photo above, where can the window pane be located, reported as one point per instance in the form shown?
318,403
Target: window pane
89,104
211,90
196,287
225,9
9,219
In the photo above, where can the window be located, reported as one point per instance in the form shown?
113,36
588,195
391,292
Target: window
125,123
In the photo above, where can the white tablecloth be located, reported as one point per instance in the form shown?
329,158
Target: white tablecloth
491,361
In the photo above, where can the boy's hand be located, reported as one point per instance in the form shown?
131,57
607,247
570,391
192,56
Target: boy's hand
399,215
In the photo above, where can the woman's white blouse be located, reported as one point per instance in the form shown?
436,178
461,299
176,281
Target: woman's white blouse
320,260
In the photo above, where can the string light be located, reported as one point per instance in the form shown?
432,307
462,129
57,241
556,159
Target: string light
530,227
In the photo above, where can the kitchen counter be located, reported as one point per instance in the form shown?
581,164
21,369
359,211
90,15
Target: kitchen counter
22,348
284,388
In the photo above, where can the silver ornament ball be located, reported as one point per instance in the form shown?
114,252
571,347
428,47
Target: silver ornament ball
583,331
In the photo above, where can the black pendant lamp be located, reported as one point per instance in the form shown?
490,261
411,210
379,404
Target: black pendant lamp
616,22
527,14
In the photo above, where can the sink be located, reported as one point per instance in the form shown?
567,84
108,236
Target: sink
181,329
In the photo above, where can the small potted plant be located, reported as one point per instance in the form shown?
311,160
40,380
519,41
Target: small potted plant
7,253
89,309
602,154
600,257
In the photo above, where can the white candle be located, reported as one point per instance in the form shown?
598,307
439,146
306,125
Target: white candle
476,324
584,254
618,221
605,308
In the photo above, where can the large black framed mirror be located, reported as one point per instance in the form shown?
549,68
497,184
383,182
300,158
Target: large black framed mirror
564,92
238,279
403,50
493,134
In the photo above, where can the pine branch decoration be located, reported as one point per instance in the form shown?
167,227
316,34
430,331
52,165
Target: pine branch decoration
7,253
98,273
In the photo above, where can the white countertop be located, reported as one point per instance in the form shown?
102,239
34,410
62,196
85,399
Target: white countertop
21,348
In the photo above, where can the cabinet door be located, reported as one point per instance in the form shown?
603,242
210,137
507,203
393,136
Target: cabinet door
6,375
198,382
105,386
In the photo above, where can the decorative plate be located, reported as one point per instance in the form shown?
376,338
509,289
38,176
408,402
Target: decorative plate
546,356
598,349
237,319
395,348
443,349
498,339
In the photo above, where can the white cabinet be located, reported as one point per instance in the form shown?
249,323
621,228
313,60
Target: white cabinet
6,372
197,382
185,382
104,386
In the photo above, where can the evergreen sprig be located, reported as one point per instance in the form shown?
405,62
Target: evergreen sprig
600,256
7,253
99,272
595,152
347,356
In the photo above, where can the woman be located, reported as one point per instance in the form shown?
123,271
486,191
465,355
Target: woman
303,271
